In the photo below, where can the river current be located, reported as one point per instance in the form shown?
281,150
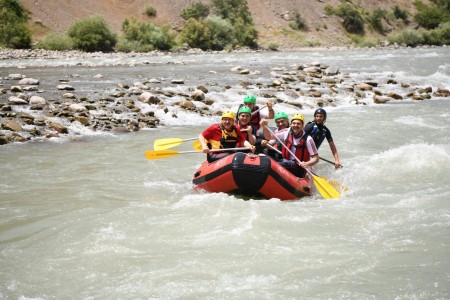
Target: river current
88,217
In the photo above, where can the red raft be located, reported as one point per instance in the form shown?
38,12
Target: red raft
251,175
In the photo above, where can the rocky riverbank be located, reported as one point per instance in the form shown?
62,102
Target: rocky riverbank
26,113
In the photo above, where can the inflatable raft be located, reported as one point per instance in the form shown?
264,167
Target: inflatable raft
251,175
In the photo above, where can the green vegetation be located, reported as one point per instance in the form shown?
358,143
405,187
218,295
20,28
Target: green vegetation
411,37
229,25
429,17
150,11
433,19
375,19
56,41
212,33
400,14
225,25
92,34
298,22
144,36
196,11
14,30
351,15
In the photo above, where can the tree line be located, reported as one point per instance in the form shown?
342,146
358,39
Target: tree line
220,25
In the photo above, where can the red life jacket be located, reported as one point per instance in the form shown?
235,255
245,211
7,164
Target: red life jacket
301,150
255,117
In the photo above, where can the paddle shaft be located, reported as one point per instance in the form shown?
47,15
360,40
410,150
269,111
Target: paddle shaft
329,161
289,150
216,150
324,188
275,149
179,141
256,111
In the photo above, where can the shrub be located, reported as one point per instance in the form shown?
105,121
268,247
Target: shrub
352,19
353,23
144,36
92,34
408,37
197,11
400,14
236,12
273,46
298,22
14,30
55,41
430,17
212,33
438,36
150,11
375,19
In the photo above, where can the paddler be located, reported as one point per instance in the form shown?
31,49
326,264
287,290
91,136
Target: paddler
222,136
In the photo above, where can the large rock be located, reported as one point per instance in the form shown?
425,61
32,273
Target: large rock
17,101
65,87
148,97
39,101
11,125
29,81
198,95
77,107
59,127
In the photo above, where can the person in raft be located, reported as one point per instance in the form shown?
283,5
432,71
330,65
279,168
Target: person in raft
222,136
244,126
318,131
301,144
282,123
257,114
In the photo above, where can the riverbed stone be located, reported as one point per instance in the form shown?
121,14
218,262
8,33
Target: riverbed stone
59,127
29,81
198,95
17,101
11,125
65,87
36,100
77,107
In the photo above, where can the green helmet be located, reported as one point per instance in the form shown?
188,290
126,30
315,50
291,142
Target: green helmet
250,99
244,109
281,115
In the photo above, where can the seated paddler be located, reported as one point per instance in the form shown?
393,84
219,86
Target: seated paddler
224,135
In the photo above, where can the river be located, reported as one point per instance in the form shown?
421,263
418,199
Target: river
88,217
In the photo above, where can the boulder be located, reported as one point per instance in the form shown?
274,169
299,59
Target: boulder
11,125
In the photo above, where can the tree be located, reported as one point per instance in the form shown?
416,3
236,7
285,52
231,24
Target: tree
92,34
14,31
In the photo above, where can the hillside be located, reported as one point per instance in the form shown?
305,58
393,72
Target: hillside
271,17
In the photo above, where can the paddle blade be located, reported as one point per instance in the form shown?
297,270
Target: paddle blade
163,144
325,188
197,145
158,154
337,185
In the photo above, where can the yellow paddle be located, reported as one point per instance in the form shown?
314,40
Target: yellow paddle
333,183
197,145
163,144
158,154
325,189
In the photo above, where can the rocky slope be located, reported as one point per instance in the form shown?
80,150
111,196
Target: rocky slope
271,17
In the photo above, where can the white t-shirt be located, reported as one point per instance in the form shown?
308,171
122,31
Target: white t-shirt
310,145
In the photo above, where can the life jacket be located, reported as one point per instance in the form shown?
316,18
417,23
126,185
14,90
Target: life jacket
254,119
301,150
228,139
318,133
